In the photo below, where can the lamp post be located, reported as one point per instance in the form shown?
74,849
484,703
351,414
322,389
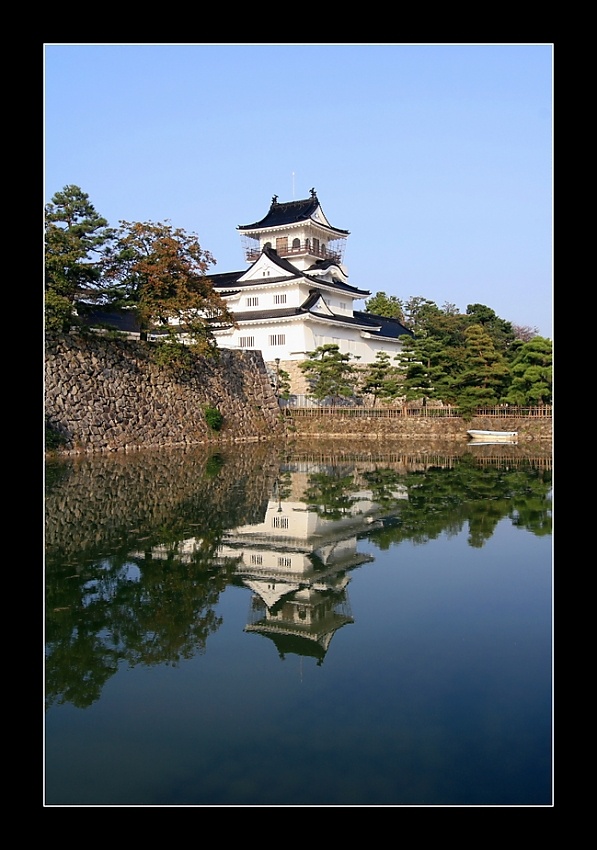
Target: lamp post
277,387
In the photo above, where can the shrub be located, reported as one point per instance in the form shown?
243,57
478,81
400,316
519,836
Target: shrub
214,418
53,439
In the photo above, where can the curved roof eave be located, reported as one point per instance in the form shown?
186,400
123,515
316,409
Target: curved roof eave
337,287
292,212
340,320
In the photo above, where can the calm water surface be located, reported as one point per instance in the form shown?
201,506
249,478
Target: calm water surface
246,628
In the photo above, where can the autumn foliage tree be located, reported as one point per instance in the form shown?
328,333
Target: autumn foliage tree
161,272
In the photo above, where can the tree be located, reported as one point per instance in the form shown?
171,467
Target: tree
525,332
75,237
380,379
329,372
417,311
484,374
389,306
161,271
500,330
531,372
415,369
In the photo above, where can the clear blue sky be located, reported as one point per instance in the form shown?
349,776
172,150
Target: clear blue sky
437,158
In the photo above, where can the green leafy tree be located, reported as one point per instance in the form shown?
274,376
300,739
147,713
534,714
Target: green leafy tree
413,367
281,382
380,379
500,330
531,374
75,238
329,372
389,306
161,271
484,375
417,311
428,367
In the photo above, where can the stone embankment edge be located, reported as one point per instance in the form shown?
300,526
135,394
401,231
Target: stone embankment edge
107,395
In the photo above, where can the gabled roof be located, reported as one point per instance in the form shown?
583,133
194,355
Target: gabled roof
232,279
293,212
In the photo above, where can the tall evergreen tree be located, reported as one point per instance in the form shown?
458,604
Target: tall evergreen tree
389,306
380,379
485,373
75,237
329,372
531,373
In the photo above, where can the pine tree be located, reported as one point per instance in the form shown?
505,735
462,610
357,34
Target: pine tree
75,237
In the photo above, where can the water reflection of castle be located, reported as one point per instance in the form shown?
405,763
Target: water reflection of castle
296,564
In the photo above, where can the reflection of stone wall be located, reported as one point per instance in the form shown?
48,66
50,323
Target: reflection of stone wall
93,502
105,394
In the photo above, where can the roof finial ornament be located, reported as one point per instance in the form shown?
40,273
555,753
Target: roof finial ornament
274,200
313,193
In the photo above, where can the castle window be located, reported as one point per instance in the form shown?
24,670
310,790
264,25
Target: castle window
277,339
296,244
280,299
253,301
247,341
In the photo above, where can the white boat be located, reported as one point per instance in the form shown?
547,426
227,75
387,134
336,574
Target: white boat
493,436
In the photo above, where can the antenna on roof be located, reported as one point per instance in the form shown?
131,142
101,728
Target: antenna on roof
293,185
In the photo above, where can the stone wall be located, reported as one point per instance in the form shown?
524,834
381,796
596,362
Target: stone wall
417,428
107,395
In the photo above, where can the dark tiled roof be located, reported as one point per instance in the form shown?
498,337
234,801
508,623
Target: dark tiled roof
389,327
349,320
121,320
225,279
229,279
291,212
322,264
283,263
338,284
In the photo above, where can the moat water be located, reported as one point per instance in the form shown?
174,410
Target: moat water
250,627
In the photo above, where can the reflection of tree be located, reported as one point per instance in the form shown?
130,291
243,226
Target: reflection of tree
442,500
282,486
384,483
108,601
133,566
329,494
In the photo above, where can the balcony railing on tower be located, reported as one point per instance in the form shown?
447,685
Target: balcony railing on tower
333,251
